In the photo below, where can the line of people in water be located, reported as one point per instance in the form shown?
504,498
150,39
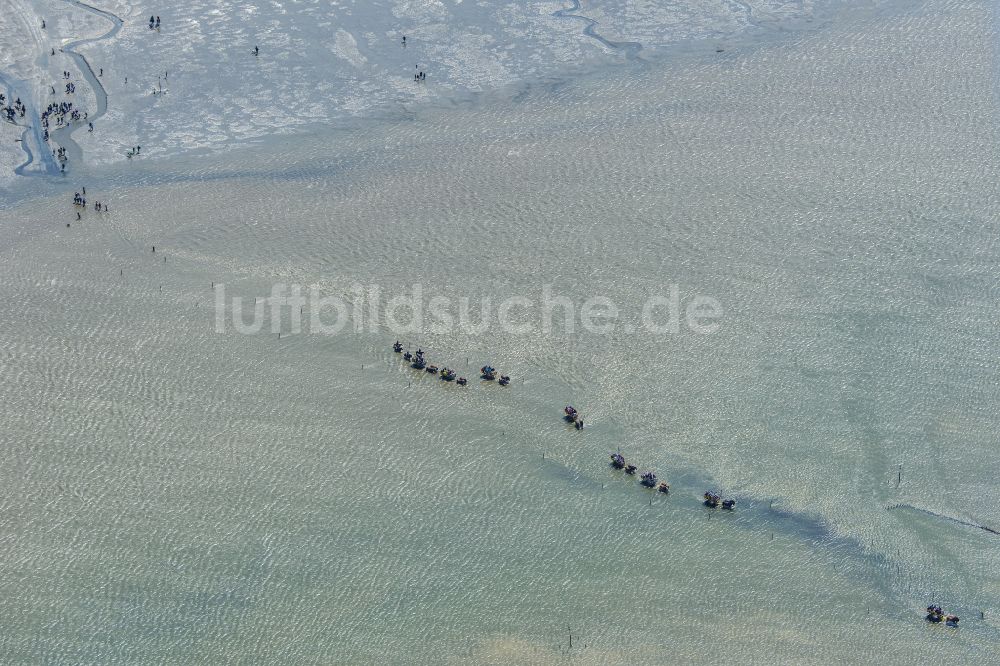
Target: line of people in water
419,362
647,479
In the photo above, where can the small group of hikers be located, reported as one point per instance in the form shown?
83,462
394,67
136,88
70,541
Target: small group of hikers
80,200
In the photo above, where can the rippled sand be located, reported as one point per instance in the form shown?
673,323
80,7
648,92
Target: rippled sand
170,494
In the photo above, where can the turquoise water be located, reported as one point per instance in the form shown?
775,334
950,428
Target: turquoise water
171,494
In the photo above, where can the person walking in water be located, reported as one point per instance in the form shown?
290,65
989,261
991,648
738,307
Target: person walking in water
256,51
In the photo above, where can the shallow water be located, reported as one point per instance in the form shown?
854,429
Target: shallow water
172,494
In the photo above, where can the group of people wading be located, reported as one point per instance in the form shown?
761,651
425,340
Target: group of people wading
419,362
80,202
